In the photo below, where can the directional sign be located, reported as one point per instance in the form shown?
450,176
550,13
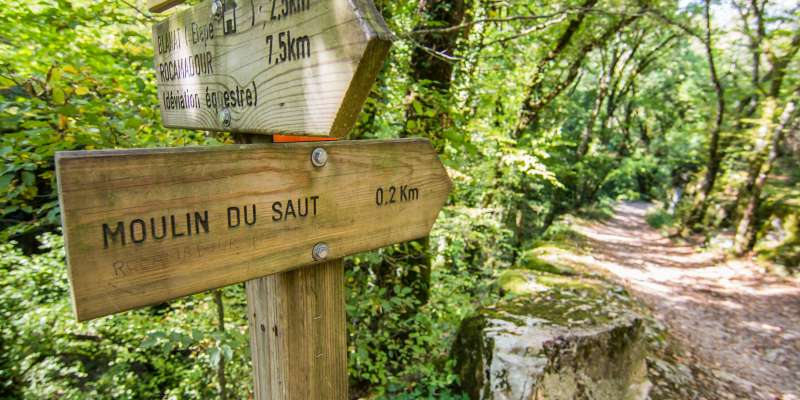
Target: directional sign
144,226
269,66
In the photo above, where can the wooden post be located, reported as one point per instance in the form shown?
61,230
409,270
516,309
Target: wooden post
297,334
296,319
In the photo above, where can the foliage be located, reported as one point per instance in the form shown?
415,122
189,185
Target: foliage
417,364
167,351
561,108
658,218
73,76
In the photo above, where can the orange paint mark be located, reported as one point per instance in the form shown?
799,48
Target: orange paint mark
299,139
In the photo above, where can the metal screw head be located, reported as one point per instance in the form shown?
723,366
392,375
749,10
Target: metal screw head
320,251
217,8
224,117
319,157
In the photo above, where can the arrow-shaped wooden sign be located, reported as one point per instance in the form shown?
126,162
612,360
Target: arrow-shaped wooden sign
300,67
145,226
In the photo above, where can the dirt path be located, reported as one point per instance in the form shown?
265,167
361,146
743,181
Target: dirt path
735,320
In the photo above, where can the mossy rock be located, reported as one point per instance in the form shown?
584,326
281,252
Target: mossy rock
531,262
553,337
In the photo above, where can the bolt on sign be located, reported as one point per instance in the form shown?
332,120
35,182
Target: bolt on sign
149,225
299,67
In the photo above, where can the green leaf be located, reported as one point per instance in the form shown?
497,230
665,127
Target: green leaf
55,76
54,215
149,341
454,136
9,210
417,107
28,178
5,181
227,352
58,95
213,356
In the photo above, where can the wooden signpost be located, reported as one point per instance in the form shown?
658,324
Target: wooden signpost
269,66
148,225
145,226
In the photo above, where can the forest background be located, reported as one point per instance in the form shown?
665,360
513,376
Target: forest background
537,108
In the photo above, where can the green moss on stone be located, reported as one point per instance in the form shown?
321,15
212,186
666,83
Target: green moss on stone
472,356
560,300
534,263
512,281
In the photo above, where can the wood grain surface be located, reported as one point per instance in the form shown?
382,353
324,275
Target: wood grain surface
298,337
145,226
296,67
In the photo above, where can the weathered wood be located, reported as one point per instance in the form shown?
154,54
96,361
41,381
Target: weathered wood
301,67
145,226
298,339
157,6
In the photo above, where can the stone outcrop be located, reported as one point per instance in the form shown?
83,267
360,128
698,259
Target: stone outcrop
553,336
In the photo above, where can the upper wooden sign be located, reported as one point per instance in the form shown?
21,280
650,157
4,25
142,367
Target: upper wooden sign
145,226
299,67
157,6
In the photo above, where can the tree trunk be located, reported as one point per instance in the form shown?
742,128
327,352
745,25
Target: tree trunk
766,151
534,101
408,264
746,230
429,121
605,78
714,154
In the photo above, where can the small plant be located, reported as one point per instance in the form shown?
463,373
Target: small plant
659,218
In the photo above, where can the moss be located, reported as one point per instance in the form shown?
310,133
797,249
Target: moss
472,355
562,282
523,281
594,345
512,281
533,263
558,299
787,252
547,248
557,308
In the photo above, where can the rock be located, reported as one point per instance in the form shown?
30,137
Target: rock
533,260
557,337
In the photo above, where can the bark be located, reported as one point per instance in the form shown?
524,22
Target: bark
414,256
586,134
624,149
641,66
779,65
533,104
750,194
429,65
747,107
616,79
714,154
535,101
746,230
425,65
